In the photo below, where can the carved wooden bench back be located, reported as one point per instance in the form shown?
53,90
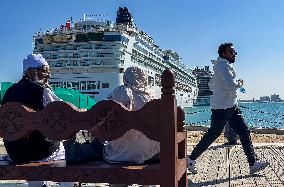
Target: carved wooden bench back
160,120
58,120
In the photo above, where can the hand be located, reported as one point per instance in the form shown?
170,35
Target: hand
83,110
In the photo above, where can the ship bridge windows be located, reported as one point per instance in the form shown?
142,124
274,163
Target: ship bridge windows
81,38
121,38
112,37
95,36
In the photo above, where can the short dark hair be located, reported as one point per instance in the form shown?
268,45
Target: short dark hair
222,48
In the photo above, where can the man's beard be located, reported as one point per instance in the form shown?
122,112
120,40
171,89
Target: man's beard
36,80
231,60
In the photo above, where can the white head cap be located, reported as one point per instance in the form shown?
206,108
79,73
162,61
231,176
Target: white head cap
34,61
135,77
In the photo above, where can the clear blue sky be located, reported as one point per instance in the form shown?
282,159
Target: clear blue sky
193,28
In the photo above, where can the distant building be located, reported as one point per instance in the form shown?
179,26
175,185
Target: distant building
264,99
275,98
203,75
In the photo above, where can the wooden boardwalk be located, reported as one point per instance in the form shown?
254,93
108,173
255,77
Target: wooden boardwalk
226,166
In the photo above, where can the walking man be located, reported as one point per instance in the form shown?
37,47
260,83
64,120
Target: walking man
224,109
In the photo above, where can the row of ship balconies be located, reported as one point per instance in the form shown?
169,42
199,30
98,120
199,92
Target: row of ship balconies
80,47
62,56
159,67
178,67
76,63
74,49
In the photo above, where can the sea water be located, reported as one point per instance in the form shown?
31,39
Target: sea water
268,115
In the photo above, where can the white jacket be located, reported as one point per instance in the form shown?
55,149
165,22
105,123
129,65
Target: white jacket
224,84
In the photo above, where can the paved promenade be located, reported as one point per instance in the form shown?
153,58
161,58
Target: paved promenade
226,166
221,166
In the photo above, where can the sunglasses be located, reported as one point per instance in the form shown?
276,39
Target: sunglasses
45,71
233,52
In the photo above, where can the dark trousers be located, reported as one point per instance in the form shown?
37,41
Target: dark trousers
219,119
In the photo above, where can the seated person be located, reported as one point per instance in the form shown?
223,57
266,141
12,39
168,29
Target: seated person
32,92
133,147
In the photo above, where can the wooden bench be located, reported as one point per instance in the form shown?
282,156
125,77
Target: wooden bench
159,120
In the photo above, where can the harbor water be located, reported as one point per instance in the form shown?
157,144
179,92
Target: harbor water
260,115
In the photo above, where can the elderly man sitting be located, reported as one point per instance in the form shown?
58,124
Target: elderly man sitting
33,91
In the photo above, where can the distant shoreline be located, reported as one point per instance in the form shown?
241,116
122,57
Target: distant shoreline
250,101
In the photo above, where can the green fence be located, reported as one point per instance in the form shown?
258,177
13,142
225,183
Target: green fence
75,97
72,96
4,87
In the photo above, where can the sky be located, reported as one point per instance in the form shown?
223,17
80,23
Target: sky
192,28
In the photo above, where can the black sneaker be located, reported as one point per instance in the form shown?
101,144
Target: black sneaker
257,167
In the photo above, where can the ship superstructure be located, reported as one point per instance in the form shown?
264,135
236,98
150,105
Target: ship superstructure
204,76
91,56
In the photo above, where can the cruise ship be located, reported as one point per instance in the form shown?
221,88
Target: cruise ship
90,55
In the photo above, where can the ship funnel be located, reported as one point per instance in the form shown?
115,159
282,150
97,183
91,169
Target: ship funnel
123,16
